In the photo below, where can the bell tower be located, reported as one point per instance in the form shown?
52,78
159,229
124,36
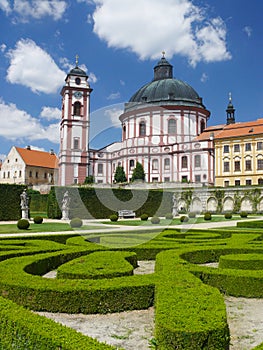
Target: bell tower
74,128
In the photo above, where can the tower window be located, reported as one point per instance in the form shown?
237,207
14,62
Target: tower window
171,126
77,108
78,81
142,129
76,143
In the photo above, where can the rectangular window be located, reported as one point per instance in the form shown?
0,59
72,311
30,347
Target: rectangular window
248,164
184,162
155,179
237,148
184,179
167,164
248,182
100,168
226,183
155,164
30,173
226,167
237,182
197,161
237,165
248,147
45,175
20,173
166,179
198,178
37,174
226,148
76,143
259,146
260,164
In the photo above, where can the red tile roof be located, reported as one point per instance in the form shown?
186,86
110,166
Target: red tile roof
232,130
38,158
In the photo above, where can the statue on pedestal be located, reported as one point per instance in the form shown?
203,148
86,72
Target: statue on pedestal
65,206
24,200
175,205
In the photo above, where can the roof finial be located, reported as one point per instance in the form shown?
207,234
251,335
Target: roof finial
77,60
230,97
163,52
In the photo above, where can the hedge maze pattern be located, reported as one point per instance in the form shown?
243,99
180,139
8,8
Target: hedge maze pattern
189,308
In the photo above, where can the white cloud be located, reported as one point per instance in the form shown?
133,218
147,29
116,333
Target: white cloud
147,27
34,68
3,46
35,8
204,78
113,114
17,124
248,30
2,157
50,113
5,6
114,96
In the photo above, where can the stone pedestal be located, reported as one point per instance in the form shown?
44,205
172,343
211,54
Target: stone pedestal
65,214
25,213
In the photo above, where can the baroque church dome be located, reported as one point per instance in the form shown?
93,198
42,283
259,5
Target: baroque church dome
165,90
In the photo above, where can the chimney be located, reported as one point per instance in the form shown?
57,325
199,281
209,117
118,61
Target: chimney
28,147
51,152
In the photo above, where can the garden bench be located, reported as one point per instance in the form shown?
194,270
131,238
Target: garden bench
124,214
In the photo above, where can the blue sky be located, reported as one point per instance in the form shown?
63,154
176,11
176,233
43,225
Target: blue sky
215,46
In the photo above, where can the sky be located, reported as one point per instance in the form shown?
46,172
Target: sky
215,46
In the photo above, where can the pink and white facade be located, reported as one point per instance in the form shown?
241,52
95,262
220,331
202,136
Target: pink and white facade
160,128
74,128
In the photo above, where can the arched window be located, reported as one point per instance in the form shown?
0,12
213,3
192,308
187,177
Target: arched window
142,129
202,126
77,108
131,163
124,131
155,164
171,126
184,162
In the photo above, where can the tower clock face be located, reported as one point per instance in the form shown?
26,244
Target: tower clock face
78,94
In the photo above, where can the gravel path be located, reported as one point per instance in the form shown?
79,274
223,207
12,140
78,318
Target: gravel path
135,329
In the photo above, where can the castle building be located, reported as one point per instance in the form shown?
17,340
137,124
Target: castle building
29,167
160,124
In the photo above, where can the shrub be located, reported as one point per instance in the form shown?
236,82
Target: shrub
155,220
192,215
169,216
113,217
207,216
23,224
228,215
243,214
184,218
144,217
76,222
38,220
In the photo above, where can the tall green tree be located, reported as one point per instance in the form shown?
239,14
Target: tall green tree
138,172
119,175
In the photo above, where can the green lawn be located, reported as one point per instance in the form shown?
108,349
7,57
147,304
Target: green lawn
176,221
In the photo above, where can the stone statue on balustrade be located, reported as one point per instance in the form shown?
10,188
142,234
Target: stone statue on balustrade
24,204
65,206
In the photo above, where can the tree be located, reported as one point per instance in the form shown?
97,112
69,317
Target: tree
119,175
138,172
89,180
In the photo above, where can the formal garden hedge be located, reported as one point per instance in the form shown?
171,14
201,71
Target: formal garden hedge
10,201
189,307
90,202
